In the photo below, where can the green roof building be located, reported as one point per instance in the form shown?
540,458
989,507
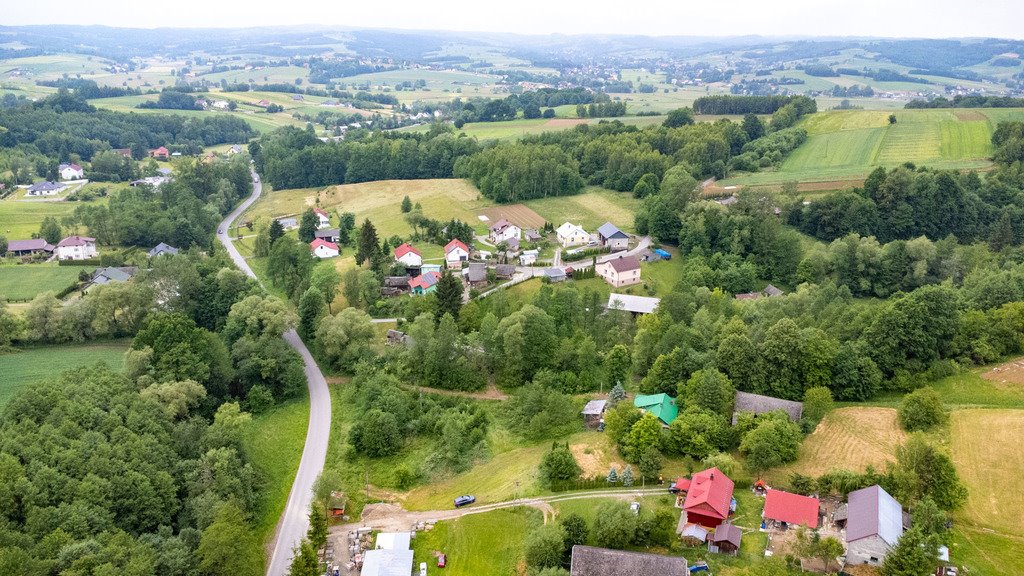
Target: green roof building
662,406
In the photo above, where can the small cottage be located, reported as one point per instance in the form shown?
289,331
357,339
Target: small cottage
593,413
612,238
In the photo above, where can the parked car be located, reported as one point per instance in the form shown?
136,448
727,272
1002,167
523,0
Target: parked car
635,507
423,569
464,501
442,559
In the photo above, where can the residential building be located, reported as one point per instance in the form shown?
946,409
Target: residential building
113,274
71,172
528,257
591,561
593,412
619,272
408,254
328,234
221,104
635,304
758,404
77,248
570,234
662,406
424,283
288,223
324,249
476,274
455,253
709,500
771,291
28,247
611,237
45,188
323,217
503,230
786,509
160,153
162,249
154,181
873,527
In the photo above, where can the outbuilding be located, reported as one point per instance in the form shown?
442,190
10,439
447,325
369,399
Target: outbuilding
785,509
593,413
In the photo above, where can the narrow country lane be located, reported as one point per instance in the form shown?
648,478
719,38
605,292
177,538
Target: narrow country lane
294,523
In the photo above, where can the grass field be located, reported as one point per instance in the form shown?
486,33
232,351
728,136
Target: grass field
850,143
19,369
591,208
24,282
491,543
19,219
848,438
274,442
260,121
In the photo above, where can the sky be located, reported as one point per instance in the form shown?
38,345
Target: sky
892,18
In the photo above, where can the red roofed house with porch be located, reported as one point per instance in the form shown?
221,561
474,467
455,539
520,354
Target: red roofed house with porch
407,254
791,509
323,217
455,253
709,498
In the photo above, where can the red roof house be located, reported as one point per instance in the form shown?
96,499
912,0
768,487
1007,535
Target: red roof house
160,152
406,249
456,243
791,508
709,497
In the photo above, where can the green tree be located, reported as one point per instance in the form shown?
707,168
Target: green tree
619,420
221,541
368,246
645,433
613,475
646,186
753,126
449,296
3,245
345,338
892,118
650,463
50,230
617,362
308,225
627,476
376,434
275,231
317,533
913,555
311,308
678,117
406,205
922,410
817,403
545,546
698,433
559,465
927,517
259,399
305,563
616,394
614,525
709,389
524,341
576,530
326,278
922,470
774,442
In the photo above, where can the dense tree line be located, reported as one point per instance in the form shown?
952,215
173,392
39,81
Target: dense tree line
89,89
750,104
515,173
173,99
968,101
601,110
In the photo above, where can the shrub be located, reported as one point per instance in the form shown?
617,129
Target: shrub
921,410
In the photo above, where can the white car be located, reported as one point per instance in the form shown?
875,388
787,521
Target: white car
423,569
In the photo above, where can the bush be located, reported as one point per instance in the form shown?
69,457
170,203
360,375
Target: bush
545,546
259,399
921,410
559,465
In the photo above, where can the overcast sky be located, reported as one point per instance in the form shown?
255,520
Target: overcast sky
899,18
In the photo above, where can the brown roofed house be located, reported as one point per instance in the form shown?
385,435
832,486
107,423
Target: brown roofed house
758,404
622,271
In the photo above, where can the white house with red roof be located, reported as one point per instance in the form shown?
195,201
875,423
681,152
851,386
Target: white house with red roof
76,248
788,509
408,254
323,249
325,218
160,153
71,172
709,498
455,253
503,231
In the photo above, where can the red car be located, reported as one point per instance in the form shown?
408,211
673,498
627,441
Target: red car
441,560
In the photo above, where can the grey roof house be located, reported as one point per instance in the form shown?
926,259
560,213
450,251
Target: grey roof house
554,274
611,237
113,274
873,527
162,249
591,561
758,404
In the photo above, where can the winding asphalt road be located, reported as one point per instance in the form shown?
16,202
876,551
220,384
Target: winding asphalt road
294,522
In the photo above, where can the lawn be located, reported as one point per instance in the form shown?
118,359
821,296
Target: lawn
590,208
274,442
490,543
20,218
21,369
25,281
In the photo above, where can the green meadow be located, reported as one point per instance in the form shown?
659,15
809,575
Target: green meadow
20,369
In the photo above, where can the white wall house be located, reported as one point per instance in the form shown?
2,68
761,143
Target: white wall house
620,271
503,231
324,249
407,254
77,248
455,253
324,218
71,172
570,234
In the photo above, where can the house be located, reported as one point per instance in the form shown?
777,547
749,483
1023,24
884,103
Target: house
569,234
288,223
221,104
593,413
612,238
263,103
621,271
455,253
528,257
503,230
324,218
123,152
77,248
28,247
591,561
407,254
505,271
323,249
635,304
873,527
162,249
661,406
726,539
513,246
393,541
532,235
46,188
771,291
297,97
160,153
396,337
154,181
709,499
424,283
113,274
758,404
691,534
476,274
235,149
328,234
387,563
786,509
555,274
71,172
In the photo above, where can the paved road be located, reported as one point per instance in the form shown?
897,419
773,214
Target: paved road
294,522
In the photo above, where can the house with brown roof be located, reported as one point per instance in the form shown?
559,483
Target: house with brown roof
503,231
77,248
591,561
760,404
160,153
621,271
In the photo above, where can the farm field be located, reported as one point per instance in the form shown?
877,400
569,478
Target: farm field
849,438
25,281
590,208
20,369
850,143
260,121
274,442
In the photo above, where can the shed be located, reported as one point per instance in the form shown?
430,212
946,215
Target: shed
396,337
393,541
336,504
593,412
476,274
554,274
630,303
726,539
759,404
772,291
504,270
691,534
591,561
